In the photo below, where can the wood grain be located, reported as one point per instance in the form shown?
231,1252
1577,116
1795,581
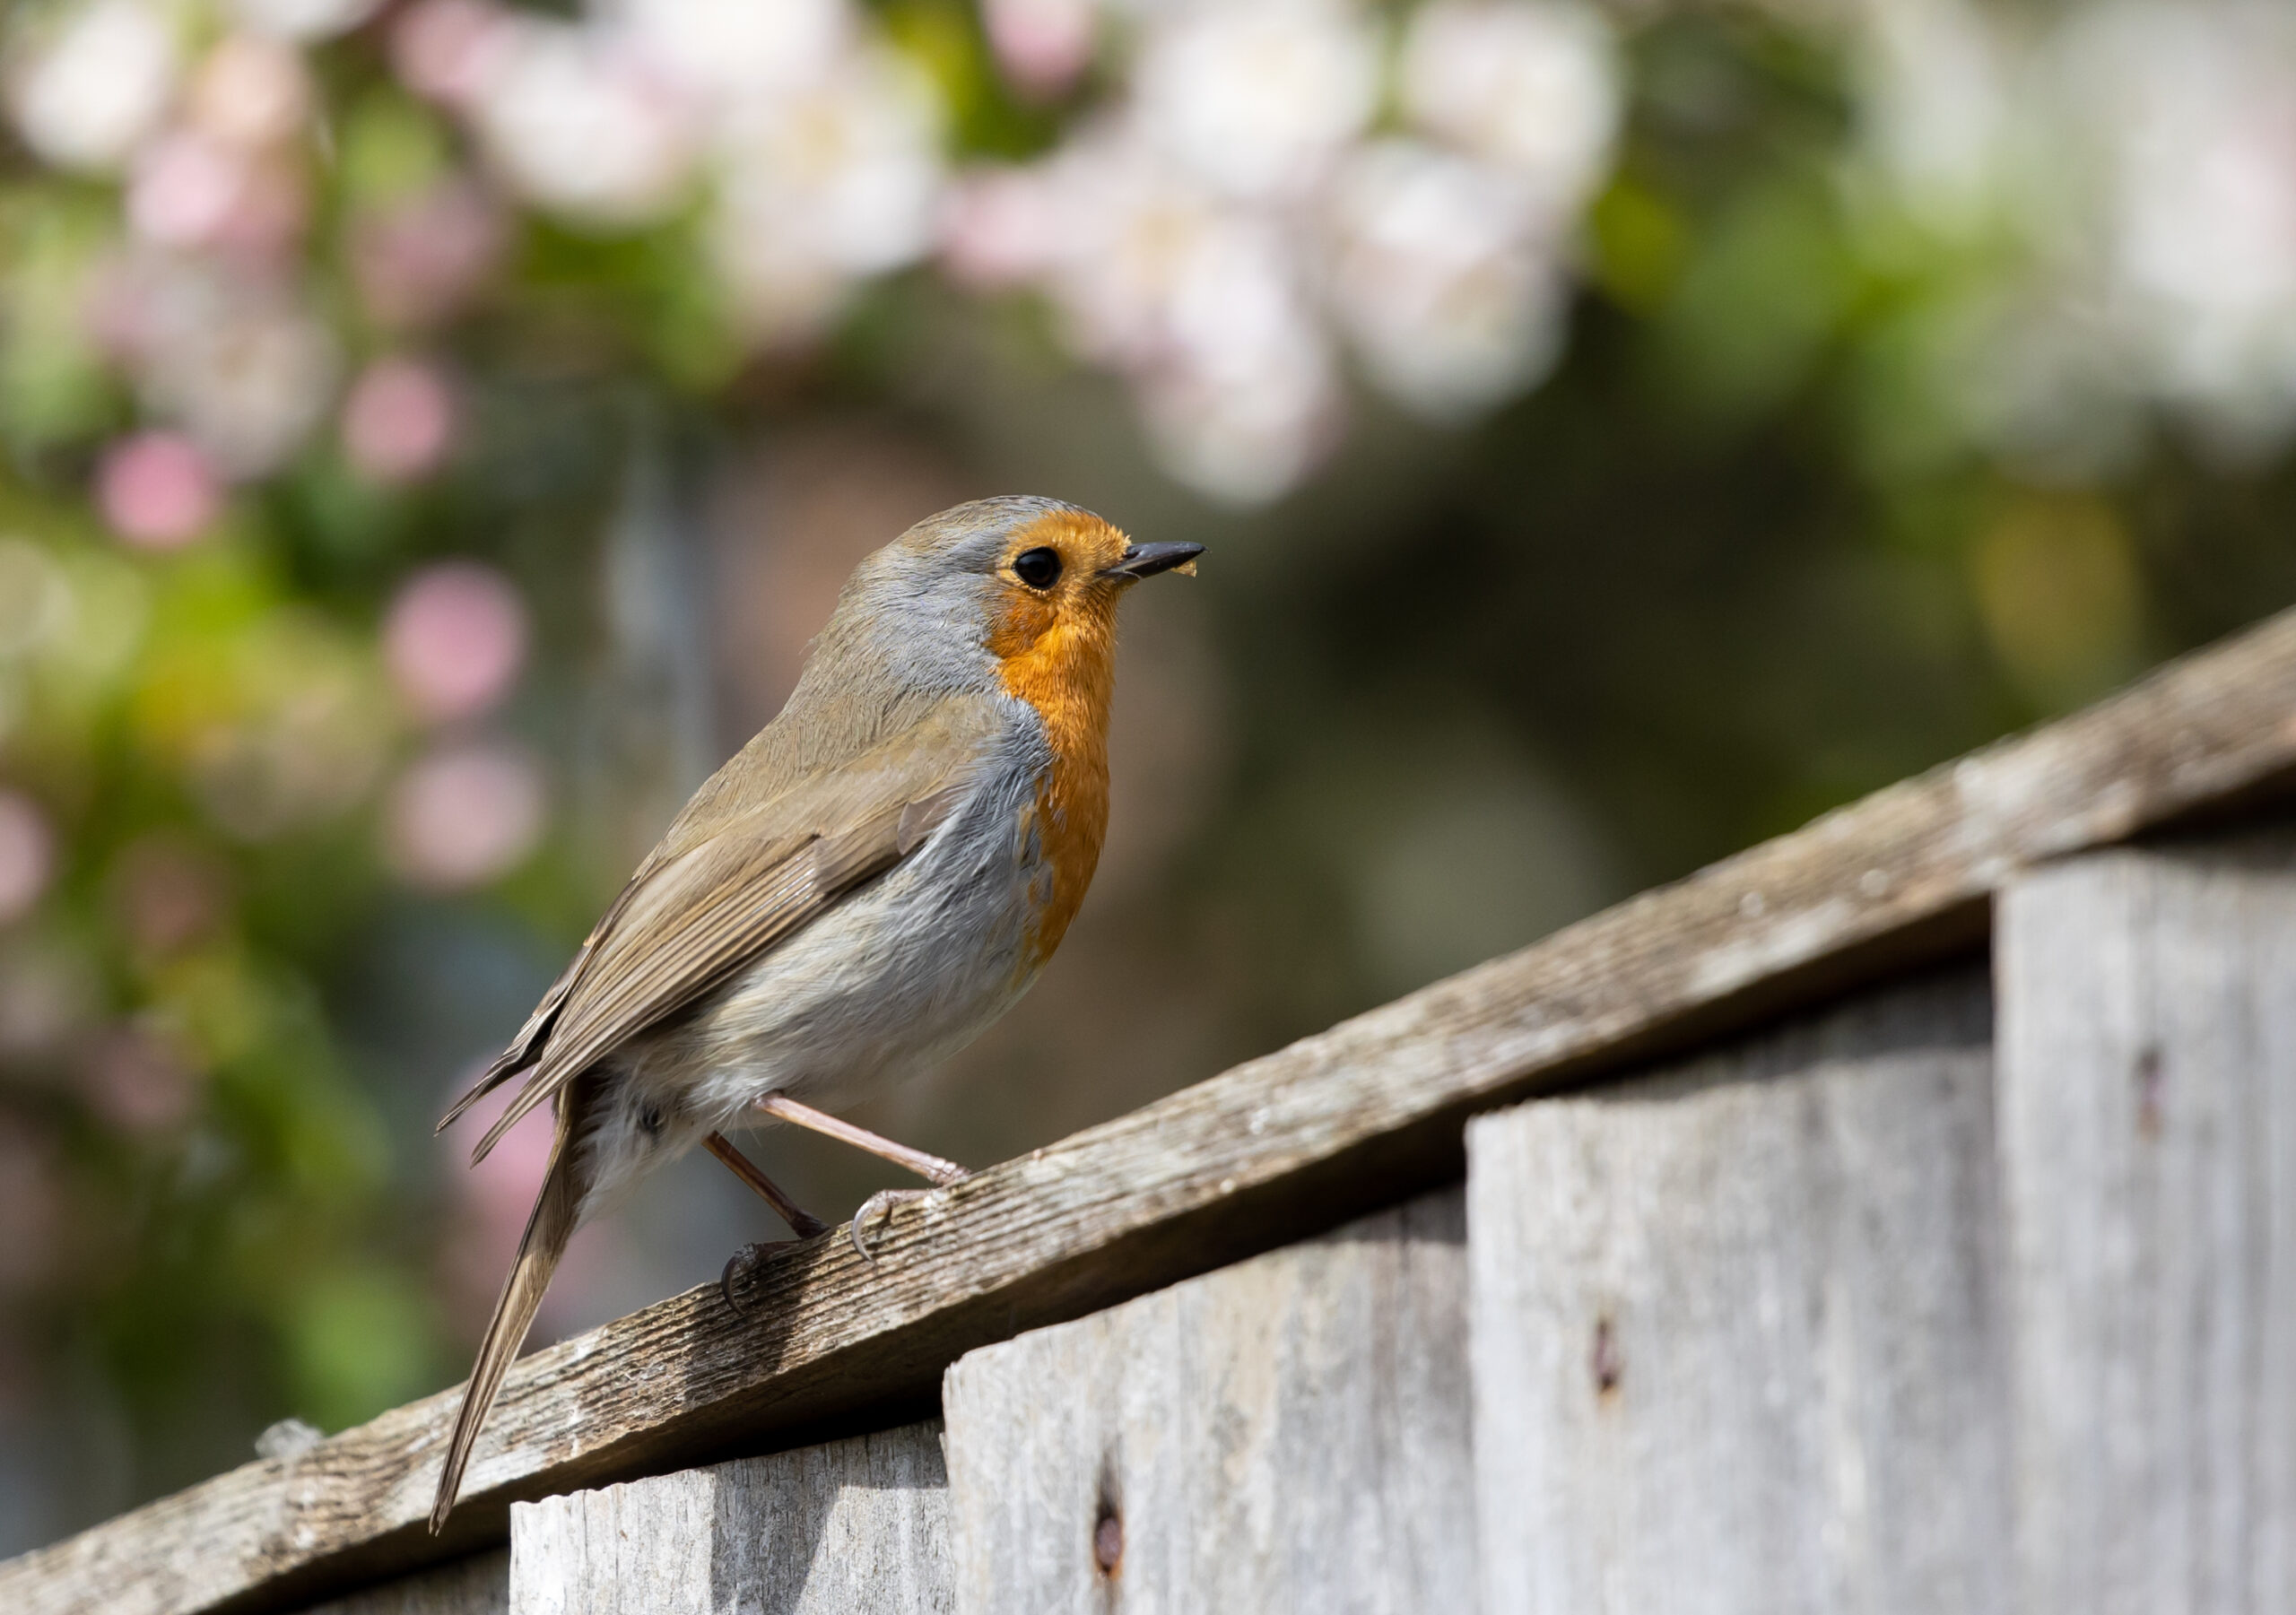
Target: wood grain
477,1585
1287,1434
851,1528
2148,1132
1283,1146
1736,1343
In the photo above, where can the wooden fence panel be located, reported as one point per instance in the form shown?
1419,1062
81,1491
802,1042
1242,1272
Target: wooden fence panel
2148,1129
1735,1331
477,1585
1287,1434
852,1527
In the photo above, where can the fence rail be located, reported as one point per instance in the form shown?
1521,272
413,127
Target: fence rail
1783,1321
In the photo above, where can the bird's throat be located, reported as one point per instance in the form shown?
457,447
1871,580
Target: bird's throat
1066,670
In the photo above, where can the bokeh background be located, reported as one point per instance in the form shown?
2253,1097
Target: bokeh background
433,431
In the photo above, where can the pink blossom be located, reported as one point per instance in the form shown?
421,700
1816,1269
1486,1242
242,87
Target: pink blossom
1042,45
419,261
191,189
184,189
27,855
1001,227
398,420
455,638
157,491
464,814
449,51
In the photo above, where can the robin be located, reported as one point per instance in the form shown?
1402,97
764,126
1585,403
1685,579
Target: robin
878,875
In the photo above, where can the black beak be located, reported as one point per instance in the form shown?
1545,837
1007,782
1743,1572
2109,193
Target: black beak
1145,561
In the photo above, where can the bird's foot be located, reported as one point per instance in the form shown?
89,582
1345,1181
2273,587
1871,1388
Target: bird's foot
744,1262
880,1205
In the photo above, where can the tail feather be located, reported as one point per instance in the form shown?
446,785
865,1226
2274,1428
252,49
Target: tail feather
548,1229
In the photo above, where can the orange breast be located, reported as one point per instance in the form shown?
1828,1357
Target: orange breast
1058,653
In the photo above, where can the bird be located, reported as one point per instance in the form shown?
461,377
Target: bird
879,875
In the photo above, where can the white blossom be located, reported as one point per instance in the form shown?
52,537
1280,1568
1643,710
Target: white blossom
2198,125
827,184
580,126
1255,96
732,52
89,92
303,18
1530,86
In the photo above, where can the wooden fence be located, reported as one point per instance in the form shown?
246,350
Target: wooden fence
1898,1216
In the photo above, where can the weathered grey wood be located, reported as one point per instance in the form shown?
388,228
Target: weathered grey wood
2148,1136
1332,1126
1735,1337
1287,1434
477,1585
853,1527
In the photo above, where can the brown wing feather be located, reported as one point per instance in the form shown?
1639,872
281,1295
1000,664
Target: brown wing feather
696,912
548,1229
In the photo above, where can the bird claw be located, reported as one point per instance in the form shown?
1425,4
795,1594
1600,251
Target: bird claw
880,1205
739,1265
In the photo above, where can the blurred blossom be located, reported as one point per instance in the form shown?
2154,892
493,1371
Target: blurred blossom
1931,99
27,855
32,1206
836,181
1257,97
35,598
192,190
157,491
449,50
1247,430
1437,280
734,52
1531,86
88,92
464,815
455,639
167,893
398,420
1042,46
302,19
248,384
2198,121
251,91
1243,400
1141,237
135,1081
419,261
184,189
1001,227
579,125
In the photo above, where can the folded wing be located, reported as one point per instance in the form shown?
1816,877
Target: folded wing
704,906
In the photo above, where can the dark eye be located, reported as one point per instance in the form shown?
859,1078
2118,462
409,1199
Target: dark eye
1038,569
650,1119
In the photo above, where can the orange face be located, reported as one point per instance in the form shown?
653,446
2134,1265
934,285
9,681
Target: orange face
1054,636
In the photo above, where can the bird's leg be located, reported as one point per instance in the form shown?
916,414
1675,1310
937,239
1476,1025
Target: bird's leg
940,1173
930,1167
804,1223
